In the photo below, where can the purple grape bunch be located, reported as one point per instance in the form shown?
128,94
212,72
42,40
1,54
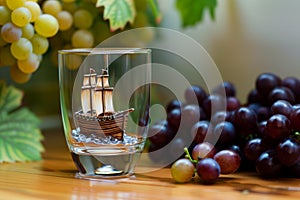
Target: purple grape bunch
262,134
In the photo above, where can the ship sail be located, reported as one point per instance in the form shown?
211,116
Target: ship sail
87,92
108,93
98,98
103,94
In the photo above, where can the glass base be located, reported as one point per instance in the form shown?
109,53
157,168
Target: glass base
113,179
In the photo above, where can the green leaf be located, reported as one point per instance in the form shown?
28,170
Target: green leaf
192,11
20,137
10,98
118,12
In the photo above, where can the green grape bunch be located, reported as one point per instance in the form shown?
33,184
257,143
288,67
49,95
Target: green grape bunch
32,29
26,27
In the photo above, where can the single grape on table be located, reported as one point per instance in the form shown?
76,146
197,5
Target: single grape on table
208,170
183,170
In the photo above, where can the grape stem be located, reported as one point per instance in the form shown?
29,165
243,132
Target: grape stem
155,10
188,155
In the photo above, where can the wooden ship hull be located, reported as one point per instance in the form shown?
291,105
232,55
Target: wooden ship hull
111,124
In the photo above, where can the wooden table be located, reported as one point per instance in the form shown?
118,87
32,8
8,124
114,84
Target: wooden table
53,178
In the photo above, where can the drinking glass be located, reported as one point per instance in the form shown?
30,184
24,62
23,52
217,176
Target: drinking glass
105,100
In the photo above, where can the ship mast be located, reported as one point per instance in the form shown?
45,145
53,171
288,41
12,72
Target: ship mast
103,84
103,91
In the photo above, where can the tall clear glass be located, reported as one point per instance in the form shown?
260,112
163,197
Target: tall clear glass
105,100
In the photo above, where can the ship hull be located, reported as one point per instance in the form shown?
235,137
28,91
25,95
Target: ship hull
113,125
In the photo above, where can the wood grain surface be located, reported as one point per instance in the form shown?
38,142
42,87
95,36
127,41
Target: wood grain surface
53,178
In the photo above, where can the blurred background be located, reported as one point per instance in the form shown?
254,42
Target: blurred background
246,38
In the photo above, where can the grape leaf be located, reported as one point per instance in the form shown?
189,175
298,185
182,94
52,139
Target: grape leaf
118,12
192,11
20,137
9,98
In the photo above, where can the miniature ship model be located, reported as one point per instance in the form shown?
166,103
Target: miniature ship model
97,116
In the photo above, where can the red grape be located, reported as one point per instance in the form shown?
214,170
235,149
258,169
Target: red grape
293,84
245,120
174,118
173,104
288,152
254,148
203,150
213,103
160,135
295,119
232,103
225,132
190,115
281,107
255,97
200,130
227,88
266,82
195,95
208,170
281,93
278,127
268,165
228,160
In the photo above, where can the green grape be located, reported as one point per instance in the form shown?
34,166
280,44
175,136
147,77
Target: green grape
91,8
21,16
52,7
21,49
28,31
30,64
65,20
74,62
70,7
182,170
46,25
82,39
18,76
6,57
40,44
10,32
34,9
13,4
4,15
83,19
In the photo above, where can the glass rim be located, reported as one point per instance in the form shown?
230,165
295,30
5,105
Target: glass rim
105,51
